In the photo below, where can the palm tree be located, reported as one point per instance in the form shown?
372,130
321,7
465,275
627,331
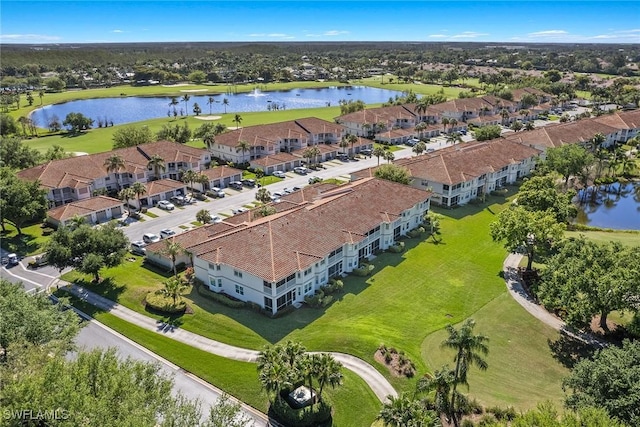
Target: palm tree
454,137
404,411
504,113
351,139
292,352
389,156
40,95
243,146
196,109
516,126
445,122
203,216
157,163
328,371
469,349
263,195
597,140
174,288
189,177
127,194
76,221
529,125
139,189
274,377
210,102
379,151
343,144
225,102
172,249
440,383
173,103
419,148
185,98
115,163
237,120
452,124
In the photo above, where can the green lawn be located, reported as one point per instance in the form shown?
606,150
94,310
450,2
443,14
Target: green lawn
630,238
420,89
410,296
31,242
522,369
240,379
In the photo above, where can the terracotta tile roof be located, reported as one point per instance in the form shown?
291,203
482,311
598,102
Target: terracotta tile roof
270,134
376,115
162,186
467,161
221,172
75,171
190,239
275,159
561,134
82,207
396,133
281,244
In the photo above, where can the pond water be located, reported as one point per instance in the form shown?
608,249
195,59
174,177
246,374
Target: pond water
616,206
135,109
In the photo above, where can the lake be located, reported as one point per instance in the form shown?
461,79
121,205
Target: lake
617,208
135,109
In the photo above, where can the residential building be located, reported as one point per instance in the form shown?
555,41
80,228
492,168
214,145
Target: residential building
95,210
320,232
458,174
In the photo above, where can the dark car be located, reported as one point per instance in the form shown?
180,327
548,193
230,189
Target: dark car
249,183
236,185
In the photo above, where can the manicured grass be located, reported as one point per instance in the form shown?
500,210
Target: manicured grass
151,214
265,180
391,148
410,296
31,242
240,379
421,89
630,238
522,368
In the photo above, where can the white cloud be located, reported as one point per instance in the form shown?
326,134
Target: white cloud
335,32
468,35
437,36
272,36
28,38
548,33
117,31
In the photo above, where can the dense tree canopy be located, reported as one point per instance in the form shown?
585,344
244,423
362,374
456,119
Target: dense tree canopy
568,160
77,122
531,231
487,132
86,248
130,136
17,155
586,278
610,381
539,193
20,201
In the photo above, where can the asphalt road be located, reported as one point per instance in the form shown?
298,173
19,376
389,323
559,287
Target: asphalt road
95,335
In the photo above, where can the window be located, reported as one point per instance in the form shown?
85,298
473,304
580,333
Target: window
239,290
445,187
307,272
266,284
268,304
237,273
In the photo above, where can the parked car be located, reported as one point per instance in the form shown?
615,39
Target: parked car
366,152
315,179
296,188
11,260
150,238
287,190
178,200
279,174
301,170
277,194
166,232
39,261
249,183
138,248
217,192
430,150
412,142
166,205
239,210
236,185
216,219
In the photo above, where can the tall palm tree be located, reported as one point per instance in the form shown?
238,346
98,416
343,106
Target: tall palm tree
173,103
173,288
40,95
189,177
351,139
139,189
172,249
504,113
274,377
125,195
419,148
389,156
530,125
292,351
379,152
440,383
156,162
452,123
404,411
210,102
225,102
445,122
185,98
237,119
597,140
115,164
243,146
328,371
469,350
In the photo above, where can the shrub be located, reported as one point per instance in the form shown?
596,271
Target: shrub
157,301
300,417
47,231
415,232
396,249
502,192
143,210
487,420
221,298
360,272
467,423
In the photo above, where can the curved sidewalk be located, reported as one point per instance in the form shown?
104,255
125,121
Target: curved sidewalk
512,280
378,383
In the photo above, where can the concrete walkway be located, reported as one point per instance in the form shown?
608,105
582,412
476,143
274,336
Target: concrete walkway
512,280
378,383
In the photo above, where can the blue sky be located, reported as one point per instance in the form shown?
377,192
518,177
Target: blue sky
372,20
